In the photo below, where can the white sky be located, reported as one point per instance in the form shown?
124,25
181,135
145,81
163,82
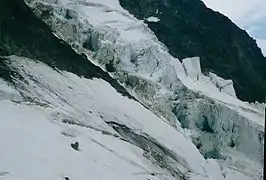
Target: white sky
247,14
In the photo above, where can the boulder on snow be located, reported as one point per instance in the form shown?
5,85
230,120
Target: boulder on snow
192,67
75,145
226,86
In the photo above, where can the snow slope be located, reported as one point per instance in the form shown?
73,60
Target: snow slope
54,109
120,43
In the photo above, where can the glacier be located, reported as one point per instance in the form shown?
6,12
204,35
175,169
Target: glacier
55,108
189,125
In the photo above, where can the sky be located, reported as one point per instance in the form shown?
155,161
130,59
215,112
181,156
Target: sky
247,14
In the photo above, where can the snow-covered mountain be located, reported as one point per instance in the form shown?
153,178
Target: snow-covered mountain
151,117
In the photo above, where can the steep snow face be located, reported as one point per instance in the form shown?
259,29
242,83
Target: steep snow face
192,67
121,44
116,135
226,86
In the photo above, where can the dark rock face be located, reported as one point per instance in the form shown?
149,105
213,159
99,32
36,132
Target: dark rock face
23,34
188,28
